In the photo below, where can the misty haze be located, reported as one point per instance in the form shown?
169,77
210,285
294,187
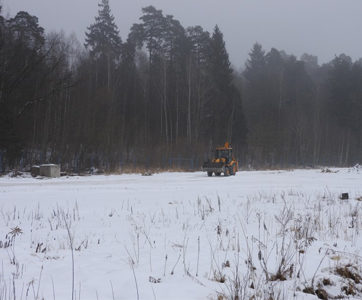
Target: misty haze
180,149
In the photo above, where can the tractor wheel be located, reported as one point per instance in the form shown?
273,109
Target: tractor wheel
209,174
233,170
227,172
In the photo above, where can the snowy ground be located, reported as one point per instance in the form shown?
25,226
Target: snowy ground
268,234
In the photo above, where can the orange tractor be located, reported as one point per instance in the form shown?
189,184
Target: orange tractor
223,162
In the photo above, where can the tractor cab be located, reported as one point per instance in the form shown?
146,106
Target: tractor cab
223,153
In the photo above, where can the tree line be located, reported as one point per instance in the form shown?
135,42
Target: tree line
166,96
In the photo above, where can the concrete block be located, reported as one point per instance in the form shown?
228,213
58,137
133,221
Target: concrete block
50,170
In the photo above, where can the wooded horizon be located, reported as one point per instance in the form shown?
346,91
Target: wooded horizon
166,96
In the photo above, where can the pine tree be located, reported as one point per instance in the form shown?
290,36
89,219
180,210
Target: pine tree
220,66
103,37
200,43
341,91
256,63
2,21
26,30
22,60
104,43
150,31
224,106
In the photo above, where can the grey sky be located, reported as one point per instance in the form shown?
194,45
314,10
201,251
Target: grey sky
320,27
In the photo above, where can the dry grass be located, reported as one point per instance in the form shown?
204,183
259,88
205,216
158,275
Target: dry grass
247,265
349,272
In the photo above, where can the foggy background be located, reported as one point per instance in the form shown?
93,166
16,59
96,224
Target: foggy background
114,108
324,28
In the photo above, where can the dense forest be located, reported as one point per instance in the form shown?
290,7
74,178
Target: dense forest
165,96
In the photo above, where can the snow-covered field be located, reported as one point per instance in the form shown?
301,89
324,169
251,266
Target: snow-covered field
267,234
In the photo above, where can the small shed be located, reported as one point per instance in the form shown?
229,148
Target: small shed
50,170
35,171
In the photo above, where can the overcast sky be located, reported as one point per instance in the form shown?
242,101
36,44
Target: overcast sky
320,27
